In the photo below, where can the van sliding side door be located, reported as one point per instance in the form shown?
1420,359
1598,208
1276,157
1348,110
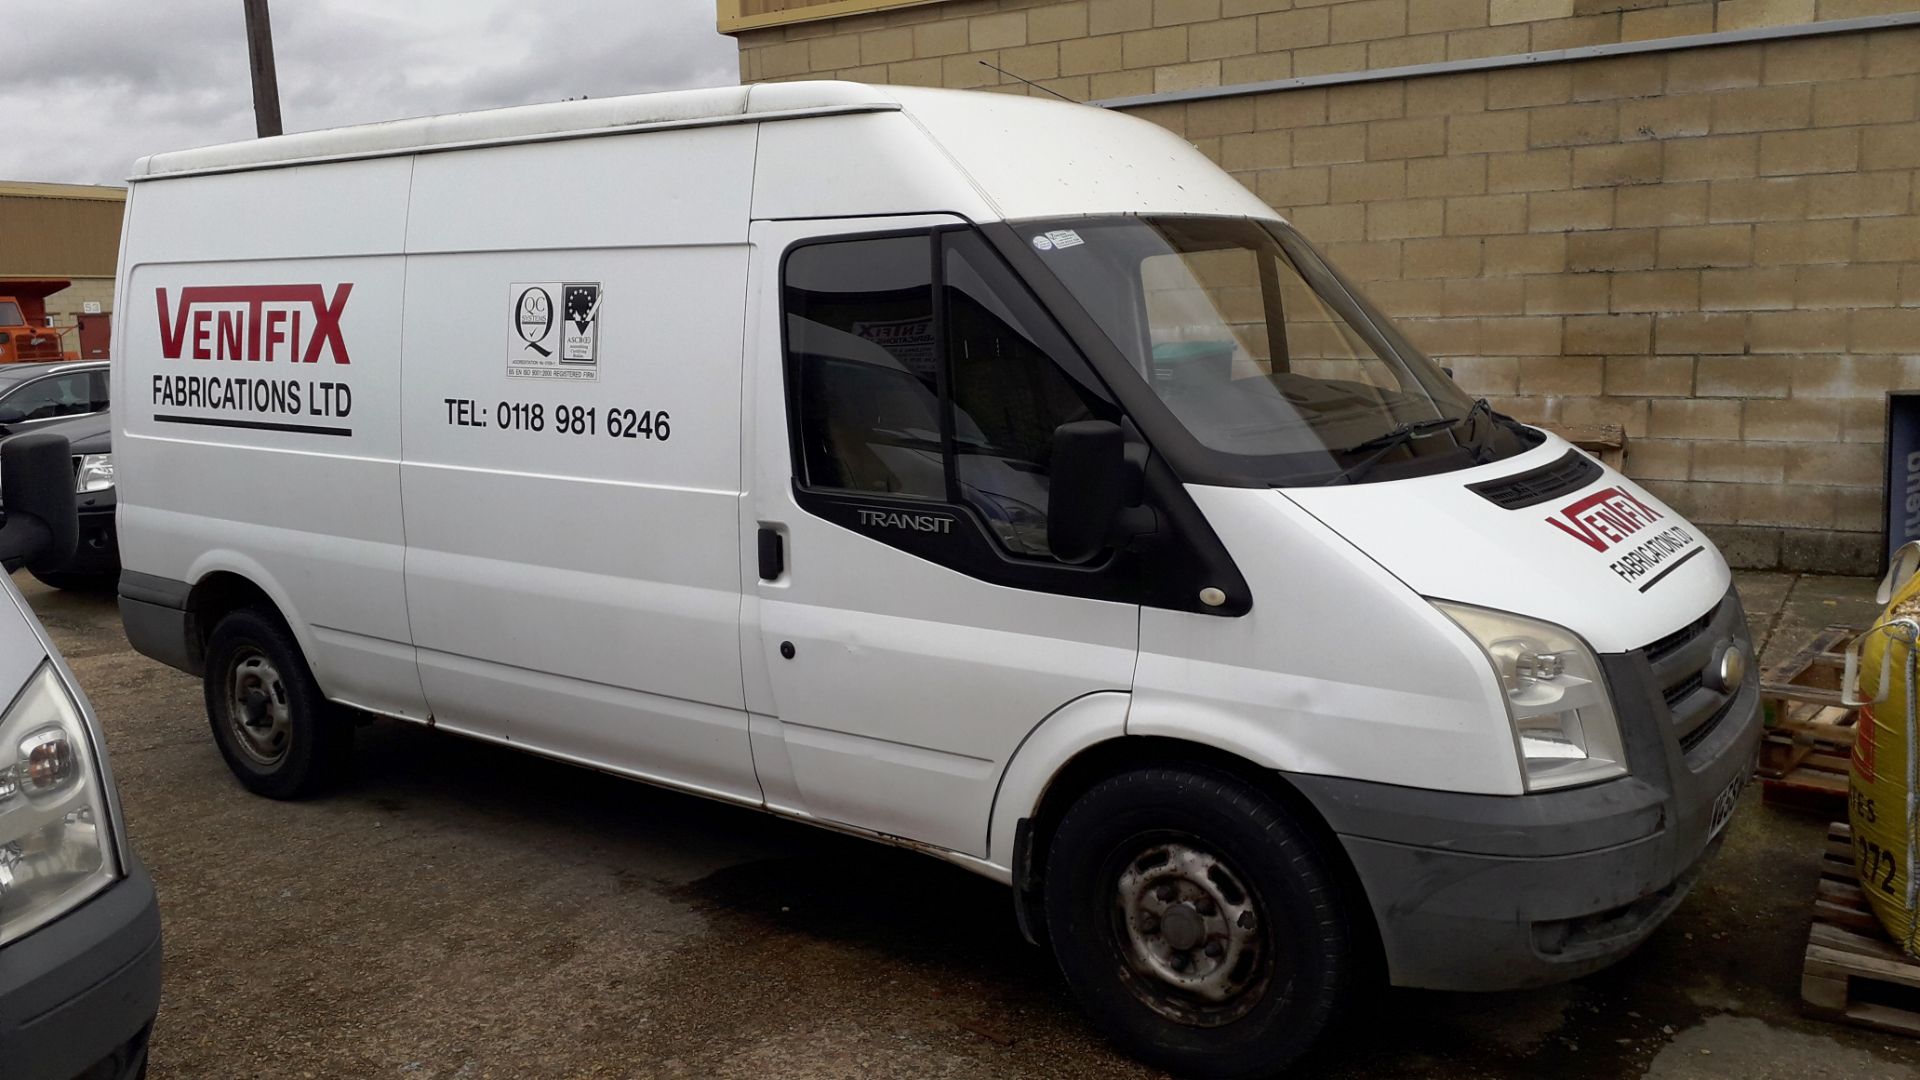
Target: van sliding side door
905,627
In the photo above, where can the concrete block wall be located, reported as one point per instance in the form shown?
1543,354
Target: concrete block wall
69,302
1717,248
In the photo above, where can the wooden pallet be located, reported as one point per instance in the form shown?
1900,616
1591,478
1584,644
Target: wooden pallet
1854,972
1803,759
1608,442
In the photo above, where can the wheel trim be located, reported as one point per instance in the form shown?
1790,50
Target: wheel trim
258,713
1194,944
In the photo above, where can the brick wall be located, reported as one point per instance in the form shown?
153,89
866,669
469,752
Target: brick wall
1716,248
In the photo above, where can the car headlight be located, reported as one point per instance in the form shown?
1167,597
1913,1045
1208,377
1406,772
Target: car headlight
95,473
1563,720
55,839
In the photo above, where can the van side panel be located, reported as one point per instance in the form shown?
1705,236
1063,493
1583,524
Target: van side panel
573,541
257,394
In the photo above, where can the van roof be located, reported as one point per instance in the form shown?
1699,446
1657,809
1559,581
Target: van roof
999,155
676,108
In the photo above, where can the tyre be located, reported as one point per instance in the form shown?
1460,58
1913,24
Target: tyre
280,735
1196,922
76,581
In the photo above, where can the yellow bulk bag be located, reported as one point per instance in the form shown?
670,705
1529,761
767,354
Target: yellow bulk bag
1884,790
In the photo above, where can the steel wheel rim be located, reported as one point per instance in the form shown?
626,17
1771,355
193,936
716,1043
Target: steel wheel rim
258,713
1193,940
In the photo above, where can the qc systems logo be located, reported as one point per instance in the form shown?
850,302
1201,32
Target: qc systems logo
261,323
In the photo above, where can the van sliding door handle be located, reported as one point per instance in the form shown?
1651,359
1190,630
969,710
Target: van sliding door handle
773,556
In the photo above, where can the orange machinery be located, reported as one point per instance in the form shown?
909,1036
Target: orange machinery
25,336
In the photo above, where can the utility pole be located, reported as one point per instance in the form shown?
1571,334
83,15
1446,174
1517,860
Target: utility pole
266,85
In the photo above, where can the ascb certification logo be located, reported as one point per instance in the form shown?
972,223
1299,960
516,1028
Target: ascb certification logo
554,330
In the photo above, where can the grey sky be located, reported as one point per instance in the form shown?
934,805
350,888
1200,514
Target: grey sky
93,84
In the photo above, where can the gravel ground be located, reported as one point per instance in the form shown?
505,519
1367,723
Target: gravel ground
465,911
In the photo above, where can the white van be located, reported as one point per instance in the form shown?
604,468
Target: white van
990,476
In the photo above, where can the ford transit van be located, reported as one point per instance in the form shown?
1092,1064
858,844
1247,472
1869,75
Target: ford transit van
991,476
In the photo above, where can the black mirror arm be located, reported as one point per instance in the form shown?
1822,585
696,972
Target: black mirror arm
1135,528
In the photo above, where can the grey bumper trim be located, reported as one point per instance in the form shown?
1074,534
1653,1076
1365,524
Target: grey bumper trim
153,611
153,589
1530,826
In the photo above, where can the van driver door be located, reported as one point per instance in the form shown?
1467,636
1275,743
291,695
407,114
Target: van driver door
905,625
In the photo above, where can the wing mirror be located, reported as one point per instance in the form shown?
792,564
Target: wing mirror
36,487
1095,482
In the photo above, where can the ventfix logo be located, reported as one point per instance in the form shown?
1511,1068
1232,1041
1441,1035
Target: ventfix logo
290,323
1610,516
1605,518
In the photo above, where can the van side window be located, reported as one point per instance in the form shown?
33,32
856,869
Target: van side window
860,350
886,365
1008,395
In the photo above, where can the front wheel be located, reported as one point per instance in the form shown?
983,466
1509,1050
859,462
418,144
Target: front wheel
280,735
1196,922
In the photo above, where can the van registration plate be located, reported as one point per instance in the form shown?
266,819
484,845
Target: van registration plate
1724,802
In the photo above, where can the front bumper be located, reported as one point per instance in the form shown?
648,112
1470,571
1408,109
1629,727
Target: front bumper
78,996
98,551
1477,892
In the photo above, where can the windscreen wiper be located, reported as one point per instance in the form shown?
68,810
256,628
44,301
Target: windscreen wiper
1480,407
1382,445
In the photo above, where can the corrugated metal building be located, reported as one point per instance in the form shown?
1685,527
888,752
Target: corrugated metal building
70,231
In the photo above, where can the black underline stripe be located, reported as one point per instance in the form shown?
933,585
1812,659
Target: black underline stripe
1671,569
250,425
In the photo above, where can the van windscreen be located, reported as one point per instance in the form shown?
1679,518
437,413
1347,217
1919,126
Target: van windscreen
1264,354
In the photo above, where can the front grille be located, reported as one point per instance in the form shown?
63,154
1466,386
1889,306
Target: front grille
1681,692
1678,640
1678,663
1699,735
1573,471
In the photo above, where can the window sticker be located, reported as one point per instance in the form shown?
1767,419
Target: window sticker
1055,239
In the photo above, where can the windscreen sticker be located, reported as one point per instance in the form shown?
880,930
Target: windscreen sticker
1055,239
554,330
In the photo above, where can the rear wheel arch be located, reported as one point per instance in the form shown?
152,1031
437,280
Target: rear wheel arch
213,597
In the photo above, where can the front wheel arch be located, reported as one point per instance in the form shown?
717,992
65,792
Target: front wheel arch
1129,753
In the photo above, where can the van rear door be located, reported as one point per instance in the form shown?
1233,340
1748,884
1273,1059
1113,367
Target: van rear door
907,626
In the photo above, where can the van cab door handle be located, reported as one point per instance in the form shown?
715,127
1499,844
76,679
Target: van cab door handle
773,555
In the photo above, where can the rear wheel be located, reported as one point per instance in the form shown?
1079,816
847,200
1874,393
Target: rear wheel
280,735
1196,923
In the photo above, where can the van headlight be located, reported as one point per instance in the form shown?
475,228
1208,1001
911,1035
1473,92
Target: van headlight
94,474
55,838
1563,720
